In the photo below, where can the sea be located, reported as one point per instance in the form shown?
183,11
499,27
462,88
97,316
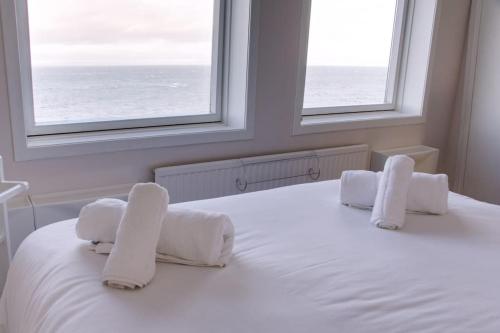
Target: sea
81,94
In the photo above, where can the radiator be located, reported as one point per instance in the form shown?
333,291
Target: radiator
229,177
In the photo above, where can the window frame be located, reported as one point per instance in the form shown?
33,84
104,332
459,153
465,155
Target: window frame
221,28
393,75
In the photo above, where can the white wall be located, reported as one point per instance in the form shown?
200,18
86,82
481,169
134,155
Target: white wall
482,166
446,72
277,66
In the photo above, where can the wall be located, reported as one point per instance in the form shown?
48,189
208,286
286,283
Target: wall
276,76
481,179
446,73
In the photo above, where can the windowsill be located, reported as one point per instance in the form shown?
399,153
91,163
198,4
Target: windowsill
352,121
61,145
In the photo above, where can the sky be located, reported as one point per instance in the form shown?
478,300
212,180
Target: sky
120,32
179,32
351,32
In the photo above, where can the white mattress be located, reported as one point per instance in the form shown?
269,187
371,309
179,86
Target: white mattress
302,263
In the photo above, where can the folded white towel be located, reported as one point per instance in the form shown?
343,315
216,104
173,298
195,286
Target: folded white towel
131,263
390,203
427,193
188,237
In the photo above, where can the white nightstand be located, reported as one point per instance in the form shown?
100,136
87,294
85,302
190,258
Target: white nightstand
8,190
426,158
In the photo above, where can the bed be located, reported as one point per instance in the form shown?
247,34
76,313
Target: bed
302,263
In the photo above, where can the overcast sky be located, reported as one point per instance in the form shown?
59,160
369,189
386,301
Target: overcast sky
156,32
351,32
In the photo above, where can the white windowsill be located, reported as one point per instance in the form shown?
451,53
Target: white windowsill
62,145
352,121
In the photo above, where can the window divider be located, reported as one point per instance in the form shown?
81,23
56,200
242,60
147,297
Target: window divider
396,54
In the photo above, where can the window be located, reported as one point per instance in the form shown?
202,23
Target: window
353,56
114,64
95,76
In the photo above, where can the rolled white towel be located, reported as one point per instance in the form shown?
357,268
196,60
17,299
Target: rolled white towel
99,220
188,237
358,188
196,237
427,193
131,263
390,203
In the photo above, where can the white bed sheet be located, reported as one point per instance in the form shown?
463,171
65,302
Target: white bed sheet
302,263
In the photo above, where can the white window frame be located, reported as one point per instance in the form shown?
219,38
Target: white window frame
236,96
415,73
395,60
220,16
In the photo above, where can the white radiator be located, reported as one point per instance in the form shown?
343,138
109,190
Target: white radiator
228,177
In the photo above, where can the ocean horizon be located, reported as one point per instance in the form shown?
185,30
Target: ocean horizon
66,94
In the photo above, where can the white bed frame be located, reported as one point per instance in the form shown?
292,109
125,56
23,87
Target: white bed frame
8,190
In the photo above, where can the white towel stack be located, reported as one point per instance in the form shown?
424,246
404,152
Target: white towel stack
131,263
187,236
427,194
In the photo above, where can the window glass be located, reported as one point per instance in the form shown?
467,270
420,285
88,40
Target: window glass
349,53
102,60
